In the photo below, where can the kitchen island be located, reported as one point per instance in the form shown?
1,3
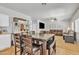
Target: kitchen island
5,41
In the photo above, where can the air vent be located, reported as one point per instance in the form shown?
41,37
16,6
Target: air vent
44,4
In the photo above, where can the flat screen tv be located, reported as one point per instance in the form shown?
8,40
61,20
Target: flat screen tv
41,25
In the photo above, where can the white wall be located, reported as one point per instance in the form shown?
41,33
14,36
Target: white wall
34,25
77,25
4,20
72,26
77,29
75,16
60,25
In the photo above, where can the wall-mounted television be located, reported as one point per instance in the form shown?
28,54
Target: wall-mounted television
41,25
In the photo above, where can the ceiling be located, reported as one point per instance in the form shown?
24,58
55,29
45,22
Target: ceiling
60,11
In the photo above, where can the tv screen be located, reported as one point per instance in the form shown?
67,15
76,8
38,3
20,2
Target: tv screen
41,25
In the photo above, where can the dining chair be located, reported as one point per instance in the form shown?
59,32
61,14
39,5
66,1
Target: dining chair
31,48
51,46
17,43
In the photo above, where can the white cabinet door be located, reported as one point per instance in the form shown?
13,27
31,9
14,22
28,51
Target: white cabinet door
4,20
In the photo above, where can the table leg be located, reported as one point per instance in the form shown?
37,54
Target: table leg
44,48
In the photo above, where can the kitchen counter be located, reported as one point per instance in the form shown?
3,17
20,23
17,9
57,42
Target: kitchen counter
5,41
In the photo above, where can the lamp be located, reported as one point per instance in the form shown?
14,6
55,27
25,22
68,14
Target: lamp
68,28
52,20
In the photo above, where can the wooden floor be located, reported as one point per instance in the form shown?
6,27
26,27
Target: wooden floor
62,48
8,51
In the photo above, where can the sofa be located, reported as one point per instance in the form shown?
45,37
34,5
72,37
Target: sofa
69,37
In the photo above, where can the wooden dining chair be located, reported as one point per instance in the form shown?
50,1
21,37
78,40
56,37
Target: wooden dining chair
17,44
51,46
31,48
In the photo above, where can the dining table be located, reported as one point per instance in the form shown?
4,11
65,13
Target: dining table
43,38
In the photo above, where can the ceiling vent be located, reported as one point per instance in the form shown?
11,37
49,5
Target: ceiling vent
44,4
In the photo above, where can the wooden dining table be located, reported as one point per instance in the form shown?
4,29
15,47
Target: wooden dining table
43,38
